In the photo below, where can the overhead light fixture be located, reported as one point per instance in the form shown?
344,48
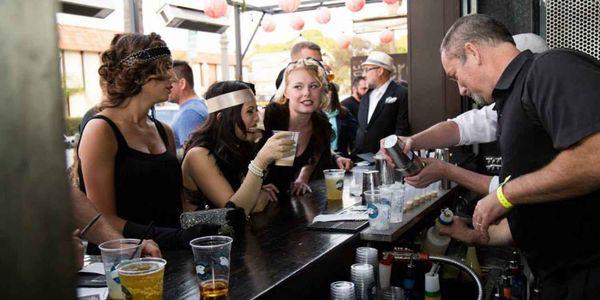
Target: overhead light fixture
88,8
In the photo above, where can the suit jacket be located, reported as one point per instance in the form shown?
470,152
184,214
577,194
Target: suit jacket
388,118
346,126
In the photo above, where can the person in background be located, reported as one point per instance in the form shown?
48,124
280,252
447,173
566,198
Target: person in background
383,109
216,155
192,109
359,89
128,167
342,122
298,107
300,50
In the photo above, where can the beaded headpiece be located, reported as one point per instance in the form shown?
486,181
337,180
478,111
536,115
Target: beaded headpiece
146,55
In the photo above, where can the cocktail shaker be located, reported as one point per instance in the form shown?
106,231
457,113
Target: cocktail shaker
386,172
443,155
407,165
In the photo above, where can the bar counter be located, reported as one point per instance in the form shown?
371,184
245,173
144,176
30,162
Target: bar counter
278,257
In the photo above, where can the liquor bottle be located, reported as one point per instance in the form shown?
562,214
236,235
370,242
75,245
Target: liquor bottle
506,284
518,279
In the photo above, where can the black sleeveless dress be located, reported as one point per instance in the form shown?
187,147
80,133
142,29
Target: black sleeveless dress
147,186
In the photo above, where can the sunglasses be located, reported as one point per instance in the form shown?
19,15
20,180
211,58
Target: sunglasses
369,69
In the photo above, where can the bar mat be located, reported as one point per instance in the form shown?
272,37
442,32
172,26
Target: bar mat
340,226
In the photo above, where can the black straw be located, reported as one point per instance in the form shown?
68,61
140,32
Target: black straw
144,236
89,225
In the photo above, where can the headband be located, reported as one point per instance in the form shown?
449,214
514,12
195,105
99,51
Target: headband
146,55
229,100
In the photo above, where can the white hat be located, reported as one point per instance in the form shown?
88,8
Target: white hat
381,59
530,41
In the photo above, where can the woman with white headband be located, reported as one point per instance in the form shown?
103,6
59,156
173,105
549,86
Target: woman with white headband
219,169
298,107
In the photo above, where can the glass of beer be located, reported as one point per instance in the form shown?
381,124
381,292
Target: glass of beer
142,278
114,252
211,255
334,182
289,160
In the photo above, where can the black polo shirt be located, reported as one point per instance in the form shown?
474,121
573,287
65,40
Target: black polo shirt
547,103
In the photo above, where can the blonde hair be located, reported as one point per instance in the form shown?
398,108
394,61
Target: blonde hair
314,69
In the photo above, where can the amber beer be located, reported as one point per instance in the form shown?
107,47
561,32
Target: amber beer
142,279
334,183
214,289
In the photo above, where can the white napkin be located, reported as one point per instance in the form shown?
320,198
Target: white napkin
343,217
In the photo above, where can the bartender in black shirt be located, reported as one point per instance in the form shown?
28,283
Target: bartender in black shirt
548,131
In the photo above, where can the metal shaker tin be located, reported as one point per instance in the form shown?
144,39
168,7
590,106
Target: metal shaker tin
407,165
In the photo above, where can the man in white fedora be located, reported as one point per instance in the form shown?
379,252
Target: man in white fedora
383,109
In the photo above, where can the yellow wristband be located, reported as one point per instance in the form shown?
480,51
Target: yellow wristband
501,197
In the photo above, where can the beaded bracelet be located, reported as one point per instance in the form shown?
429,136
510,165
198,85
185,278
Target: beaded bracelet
255,170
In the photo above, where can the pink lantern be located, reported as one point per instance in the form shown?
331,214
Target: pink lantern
386,36
268,23
390,2
323,15
355,5
289,6
297,22
215,8
344,41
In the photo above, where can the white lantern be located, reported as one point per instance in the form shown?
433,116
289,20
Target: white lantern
323,15
355,5
297,22
289,6
390,2
386,36
268,23
215,8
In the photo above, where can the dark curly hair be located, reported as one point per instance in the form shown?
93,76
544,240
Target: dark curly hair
125,81
217,134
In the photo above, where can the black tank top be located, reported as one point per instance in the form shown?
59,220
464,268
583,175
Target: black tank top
147,186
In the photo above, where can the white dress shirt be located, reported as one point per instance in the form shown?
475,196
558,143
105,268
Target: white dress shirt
374,97
477,125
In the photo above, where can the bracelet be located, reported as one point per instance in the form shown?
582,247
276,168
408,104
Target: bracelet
501,197
255,170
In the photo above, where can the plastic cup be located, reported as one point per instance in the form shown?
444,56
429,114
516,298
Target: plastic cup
342,290
142,278
397,202
356,183
334,182
211,255
114,252
378,206
288,161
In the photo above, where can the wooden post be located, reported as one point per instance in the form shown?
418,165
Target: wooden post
35,219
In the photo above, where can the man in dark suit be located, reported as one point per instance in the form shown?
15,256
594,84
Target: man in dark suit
383,109
359,89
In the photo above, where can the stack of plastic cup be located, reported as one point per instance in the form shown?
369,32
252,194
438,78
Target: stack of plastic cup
391,293
367,255
363,277
342,290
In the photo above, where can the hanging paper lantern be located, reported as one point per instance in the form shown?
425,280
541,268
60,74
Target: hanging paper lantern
390,2
215,8
386,36
355,5
268,23
344,41
323,15
297,22
289,6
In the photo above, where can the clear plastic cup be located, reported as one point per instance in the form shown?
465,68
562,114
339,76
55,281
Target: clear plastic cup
379,207
356,183
114,252
334,182
397,201
211,255
288,161
142,278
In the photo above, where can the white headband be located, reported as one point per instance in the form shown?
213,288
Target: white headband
229,100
